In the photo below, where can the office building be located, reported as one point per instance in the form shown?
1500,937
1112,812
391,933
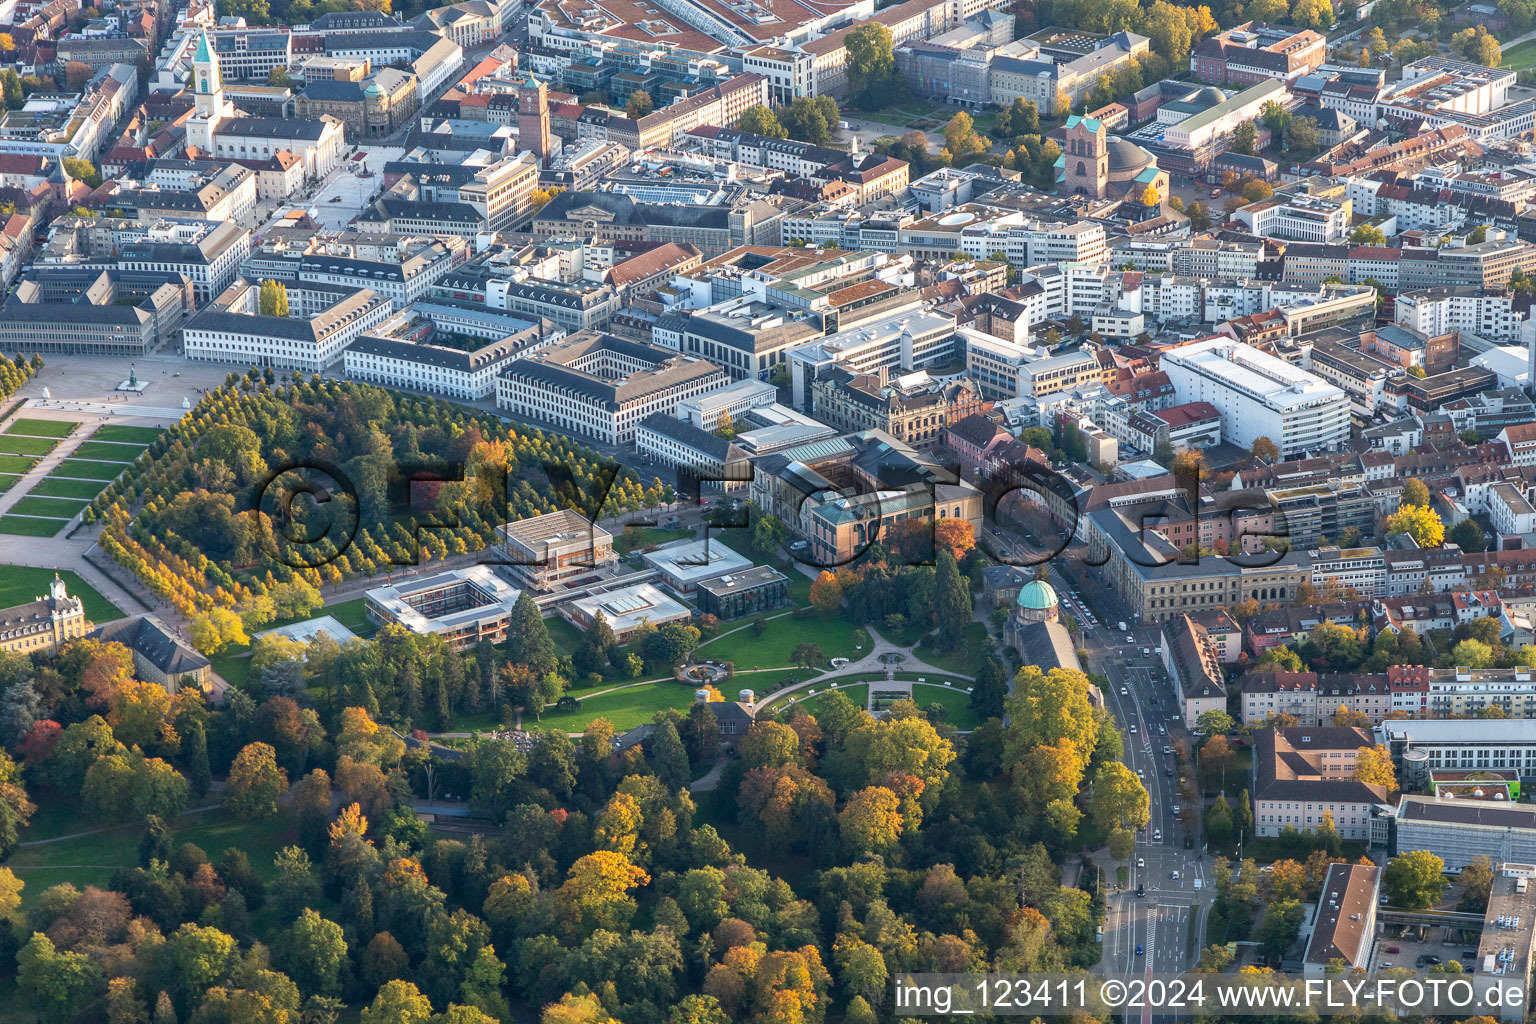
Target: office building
1260,395
463,606
1301,773
1457,830
1344,920
553,550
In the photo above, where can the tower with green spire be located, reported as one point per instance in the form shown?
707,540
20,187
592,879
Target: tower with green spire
207,95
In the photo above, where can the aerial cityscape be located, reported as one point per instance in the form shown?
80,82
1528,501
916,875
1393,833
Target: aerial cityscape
780,511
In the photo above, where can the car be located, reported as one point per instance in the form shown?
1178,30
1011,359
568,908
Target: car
1138,949
1168,772
1162,730
1141,890
1167,749
1175,876
335,199
1124,692
1432,960
1215,193
1146,652
1387,965
1141,862
1177,808
1392,949
1140,774
1124,628
1133,728
1157,834
1131,640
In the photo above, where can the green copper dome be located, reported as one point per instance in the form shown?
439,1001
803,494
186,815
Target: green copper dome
374,89
1037,596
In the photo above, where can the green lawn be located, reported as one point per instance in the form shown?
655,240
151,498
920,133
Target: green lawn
626,541
6,480
957,708
53,487
856,692
16,463
84,470
90,859
21,526
1517,58
966,657
624,708
566,636
63,508
773,649
42,428
118,432
107,451
11,444
20,584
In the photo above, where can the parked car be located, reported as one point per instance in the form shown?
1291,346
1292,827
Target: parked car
1392,949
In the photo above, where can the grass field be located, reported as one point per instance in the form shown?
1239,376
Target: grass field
626,541
62,508
6,480
773,649
965,658
16,463
13,444
108,451
134,435
82,469
856,692
42,428
20,584
566,636
21,526
624,708
1518,58
90,860
53,487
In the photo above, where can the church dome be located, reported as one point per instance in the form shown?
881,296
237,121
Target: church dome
1128,158
1037,596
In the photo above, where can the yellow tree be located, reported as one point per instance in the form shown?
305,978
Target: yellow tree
871,821
1420,523
618,825
596,889
826,594
1373,766
1150,196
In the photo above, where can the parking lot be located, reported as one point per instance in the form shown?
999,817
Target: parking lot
1443,943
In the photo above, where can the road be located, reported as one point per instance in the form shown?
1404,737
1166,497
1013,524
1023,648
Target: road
1150,932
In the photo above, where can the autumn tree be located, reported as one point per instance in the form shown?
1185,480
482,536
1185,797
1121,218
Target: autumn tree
871,822
759,120
273,298
826,594
1373,766
596,890
1421,523
255,782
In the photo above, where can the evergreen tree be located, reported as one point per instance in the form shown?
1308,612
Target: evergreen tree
156,844
528,641
194,753
597,646
952,602
670,757
1245,815
990,688
703,734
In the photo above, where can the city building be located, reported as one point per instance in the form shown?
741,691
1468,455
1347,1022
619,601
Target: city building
159,655
1194,668
1253,52
1421,746
463,606
233,330
1457,831
1260,395
1302,773
1094,165
912,407
553,550
1344,920
44,624
601,386
745,592
1506,949
682,564
95,311
626,609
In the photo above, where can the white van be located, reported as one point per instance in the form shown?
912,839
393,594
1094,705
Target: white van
1123,627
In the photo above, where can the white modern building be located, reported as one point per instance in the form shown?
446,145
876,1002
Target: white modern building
232,330
1436,311
682,564
706,410
911,340
627,609
1260,395
463,606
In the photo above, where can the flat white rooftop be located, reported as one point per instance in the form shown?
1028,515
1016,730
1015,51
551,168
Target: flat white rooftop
685,562
631,607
